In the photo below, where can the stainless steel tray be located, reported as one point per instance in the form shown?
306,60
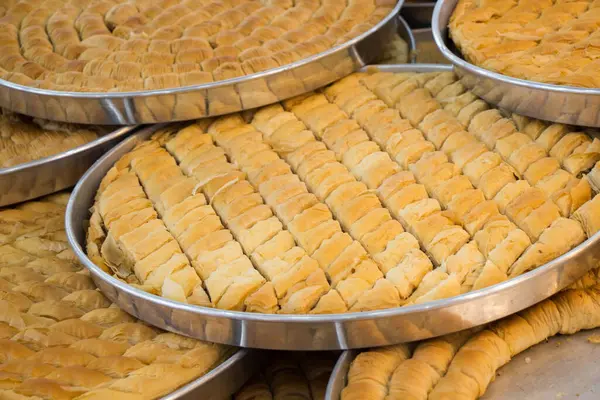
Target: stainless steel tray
47,175
223,381
198,101
418,14
322,332
426,50
564,104
564,367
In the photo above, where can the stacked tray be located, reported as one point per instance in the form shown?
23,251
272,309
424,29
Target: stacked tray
563,104
338,331
243,65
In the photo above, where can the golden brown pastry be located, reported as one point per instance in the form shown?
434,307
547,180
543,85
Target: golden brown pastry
350,199
61,338
137,46
528,41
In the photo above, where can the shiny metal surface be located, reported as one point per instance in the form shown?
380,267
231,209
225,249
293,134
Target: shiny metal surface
223,381
47,175
563,367
198,101
322,332
564,104
418,14
427,51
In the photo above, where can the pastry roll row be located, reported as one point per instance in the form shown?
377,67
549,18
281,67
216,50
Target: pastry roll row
463,365
136,244
576,152
527,207
293,276
353,203
436,176
398,190
538,161
347,264
485,177
60,338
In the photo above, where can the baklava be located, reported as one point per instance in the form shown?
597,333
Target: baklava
549,42
118,46
381,190
60,338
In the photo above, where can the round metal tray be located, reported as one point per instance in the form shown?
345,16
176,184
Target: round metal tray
564,367
223,381
564,104
51,174
216,98
321,332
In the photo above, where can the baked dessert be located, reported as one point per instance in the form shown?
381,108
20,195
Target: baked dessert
23,140
462,365
117,46
60,338
288,375
549,42
382,190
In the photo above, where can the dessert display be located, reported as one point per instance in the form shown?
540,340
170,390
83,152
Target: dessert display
382,190
549,42
23,140
290,375
118,46
60,338
463,365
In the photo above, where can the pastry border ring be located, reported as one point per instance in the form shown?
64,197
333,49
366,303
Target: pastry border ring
563,104
322,332
157,106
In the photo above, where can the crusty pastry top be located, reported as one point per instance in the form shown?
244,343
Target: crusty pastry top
384,189
116,45
23,139
462,365
60,338
288,375
544,41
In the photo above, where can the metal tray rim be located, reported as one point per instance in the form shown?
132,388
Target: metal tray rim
438,26
184,89
338,375
438,305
